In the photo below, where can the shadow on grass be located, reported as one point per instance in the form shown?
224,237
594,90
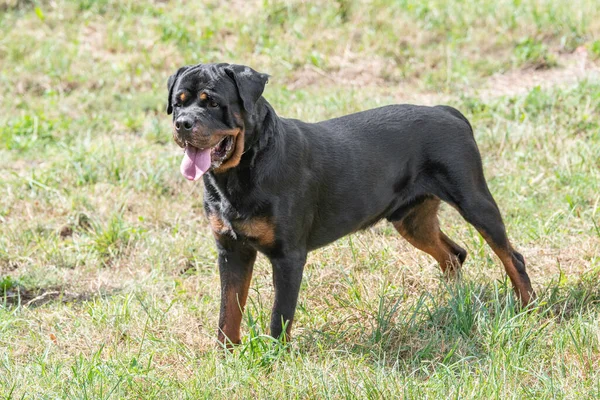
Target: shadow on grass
16,295
459,322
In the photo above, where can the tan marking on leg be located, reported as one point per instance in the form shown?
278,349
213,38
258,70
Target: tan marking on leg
234,309
421,229
435,247
523,290
452,251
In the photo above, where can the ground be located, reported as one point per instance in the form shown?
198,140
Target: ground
108,279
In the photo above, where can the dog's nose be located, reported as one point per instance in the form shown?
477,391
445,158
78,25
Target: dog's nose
184,124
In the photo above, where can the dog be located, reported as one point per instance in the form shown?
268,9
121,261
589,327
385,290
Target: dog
284,187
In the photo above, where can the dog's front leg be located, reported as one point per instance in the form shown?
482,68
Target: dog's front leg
236,261
287,277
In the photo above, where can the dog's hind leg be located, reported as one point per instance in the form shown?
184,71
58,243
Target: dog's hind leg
480,210
420,227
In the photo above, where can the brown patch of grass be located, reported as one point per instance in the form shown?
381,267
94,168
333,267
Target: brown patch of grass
32,297
572,68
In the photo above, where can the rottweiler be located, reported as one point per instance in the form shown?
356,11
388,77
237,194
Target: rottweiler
286,187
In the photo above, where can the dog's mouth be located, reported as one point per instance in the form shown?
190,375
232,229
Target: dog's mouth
197,161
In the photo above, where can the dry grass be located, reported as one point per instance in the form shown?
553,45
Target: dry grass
107,268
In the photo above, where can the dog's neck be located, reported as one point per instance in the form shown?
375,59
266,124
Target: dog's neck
262,133
262,127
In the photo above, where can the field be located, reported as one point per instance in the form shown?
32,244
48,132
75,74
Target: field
108,280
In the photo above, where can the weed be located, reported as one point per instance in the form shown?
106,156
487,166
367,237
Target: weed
108,281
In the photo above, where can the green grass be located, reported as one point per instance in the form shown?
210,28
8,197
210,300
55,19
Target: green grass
108,279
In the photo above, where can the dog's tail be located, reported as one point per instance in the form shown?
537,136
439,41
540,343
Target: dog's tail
457,114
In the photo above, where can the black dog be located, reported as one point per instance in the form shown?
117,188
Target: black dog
285,187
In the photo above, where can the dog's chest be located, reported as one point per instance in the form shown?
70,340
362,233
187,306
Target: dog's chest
238,220
260,230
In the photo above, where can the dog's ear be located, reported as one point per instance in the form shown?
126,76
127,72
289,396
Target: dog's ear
171,84
250,84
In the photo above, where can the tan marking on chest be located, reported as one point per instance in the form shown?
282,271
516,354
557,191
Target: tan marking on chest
217,225
260,229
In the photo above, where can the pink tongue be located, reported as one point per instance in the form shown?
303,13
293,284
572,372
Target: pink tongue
195,163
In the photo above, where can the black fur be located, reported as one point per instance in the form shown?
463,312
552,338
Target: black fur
317,182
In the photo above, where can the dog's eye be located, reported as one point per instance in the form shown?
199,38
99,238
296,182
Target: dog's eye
177,105
213,104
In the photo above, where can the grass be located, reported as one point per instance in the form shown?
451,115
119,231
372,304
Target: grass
108,280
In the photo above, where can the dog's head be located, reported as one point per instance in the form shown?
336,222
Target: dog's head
210,104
